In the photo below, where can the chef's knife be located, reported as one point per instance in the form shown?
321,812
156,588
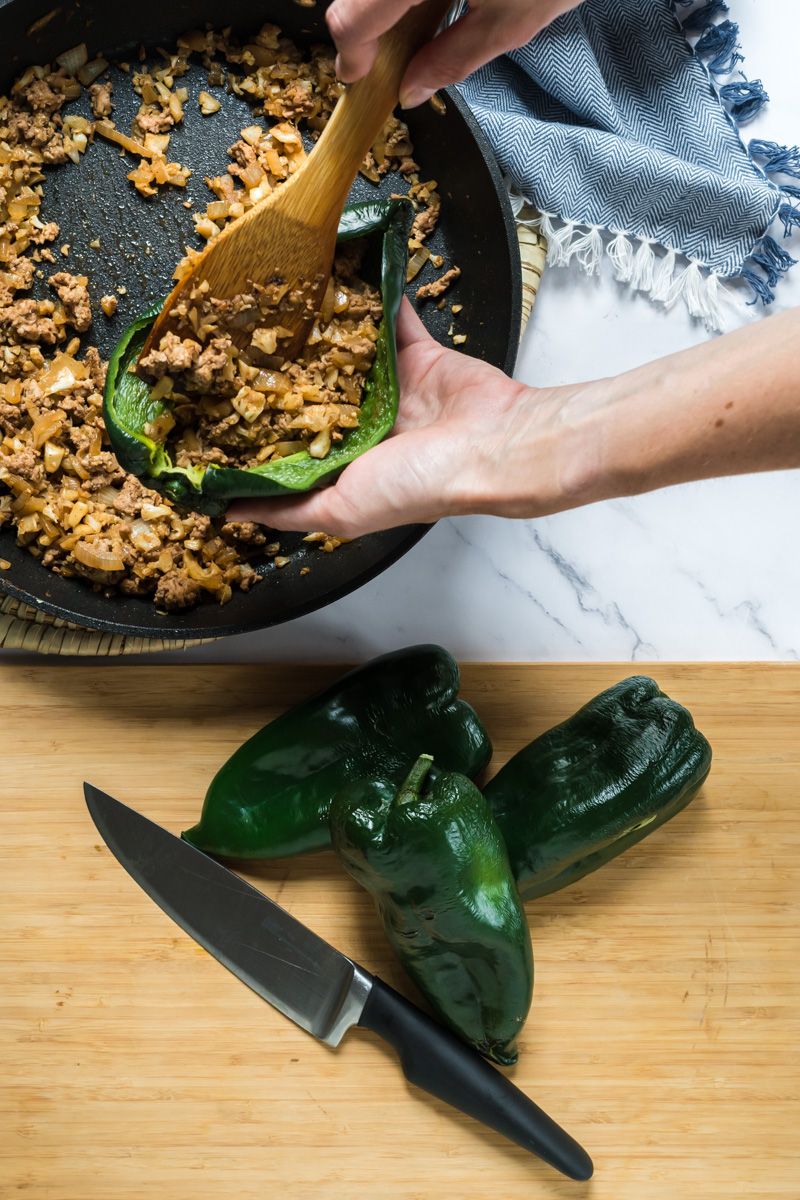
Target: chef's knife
320,989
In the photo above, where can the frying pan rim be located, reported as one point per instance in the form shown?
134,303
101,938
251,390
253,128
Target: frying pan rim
186,631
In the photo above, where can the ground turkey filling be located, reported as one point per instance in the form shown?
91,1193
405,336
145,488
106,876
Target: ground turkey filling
242,408
61,489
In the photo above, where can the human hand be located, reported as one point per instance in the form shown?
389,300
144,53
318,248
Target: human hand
467,439
490,28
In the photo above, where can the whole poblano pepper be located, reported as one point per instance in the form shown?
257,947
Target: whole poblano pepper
584,791
271,798
432,857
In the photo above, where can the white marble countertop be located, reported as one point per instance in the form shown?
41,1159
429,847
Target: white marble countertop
705,571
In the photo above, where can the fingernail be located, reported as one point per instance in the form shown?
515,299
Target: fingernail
415,96
337,66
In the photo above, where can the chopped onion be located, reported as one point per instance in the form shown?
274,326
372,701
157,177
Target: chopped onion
73,59
252,176
92,71
75,124
62,374
272,381
143,537
107,496
321,444
162,388
44,428
149,93
417,262
210,577
208,104
265,340
284,449
108,130
40,22
152,512
28,525
275,165
285,134
52,457
97,559
157,142
257,194
28,504
79,511
218,210
249,403
206,227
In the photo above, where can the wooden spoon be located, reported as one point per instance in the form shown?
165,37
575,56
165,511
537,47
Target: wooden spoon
291,234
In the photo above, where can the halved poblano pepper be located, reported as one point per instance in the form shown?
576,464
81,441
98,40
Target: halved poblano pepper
129,410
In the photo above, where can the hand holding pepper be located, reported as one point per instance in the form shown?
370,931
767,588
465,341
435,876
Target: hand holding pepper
470,440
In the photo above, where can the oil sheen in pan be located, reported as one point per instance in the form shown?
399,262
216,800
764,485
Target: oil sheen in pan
142,240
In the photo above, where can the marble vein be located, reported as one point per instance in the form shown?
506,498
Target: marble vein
510,582
609,613
751,612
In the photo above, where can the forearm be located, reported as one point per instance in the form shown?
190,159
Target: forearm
727,407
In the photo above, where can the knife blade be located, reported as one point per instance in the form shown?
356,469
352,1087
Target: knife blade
315,985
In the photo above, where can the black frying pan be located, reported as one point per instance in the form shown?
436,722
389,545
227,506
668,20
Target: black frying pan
142,241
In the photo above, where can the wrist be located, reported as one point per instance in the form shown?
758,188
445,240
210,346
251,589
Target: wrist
540,450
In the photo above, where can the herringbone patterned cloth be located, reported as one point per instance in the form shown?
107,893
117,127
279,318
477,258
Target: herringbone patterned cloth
611,121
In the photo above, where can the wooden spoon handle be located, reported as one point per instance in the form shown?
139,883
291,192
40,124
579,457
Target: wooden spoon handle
365,107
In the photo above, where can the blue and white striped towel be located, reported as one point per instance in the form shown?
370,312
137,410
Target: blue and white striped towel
627,141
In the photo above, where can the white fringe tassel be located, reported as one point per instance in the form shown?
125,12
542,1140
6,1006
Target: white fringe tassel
620,251
634,261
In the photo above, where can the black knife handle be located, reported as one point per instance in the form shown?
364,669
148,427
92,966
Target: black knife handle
435,1060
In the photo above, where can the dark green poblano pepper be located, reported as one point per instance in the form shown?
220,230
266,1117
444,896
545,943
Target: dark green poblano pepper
129,411
584,791
430,854
271,798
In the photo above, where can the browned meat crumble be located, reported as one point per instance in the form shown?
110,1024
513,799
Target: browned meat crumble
102,103
432,291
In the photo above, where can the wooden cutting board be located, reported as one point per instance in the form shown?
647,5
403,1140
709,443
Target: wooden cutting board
665,1025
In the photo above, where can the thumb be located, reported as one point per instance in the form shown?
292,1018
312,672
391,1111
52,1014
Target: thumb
327,509
410,328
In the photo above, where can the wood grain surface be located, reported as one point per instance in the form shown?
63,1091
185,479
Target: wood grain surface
665,1026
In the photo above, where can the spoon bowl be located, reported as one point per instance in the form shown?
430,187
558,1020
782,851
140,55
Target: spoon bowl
290,235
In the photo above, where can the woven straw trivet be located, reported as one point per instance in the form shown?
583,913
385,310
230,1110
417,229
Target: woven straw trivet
24,628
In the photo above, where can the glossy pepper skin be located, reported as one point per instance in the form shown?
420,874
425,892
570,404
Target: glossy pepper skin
128,409
434,861
586,790
271,798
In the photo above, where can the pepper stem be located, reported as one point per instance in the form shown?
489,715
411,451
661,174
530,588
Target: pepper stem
412,785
